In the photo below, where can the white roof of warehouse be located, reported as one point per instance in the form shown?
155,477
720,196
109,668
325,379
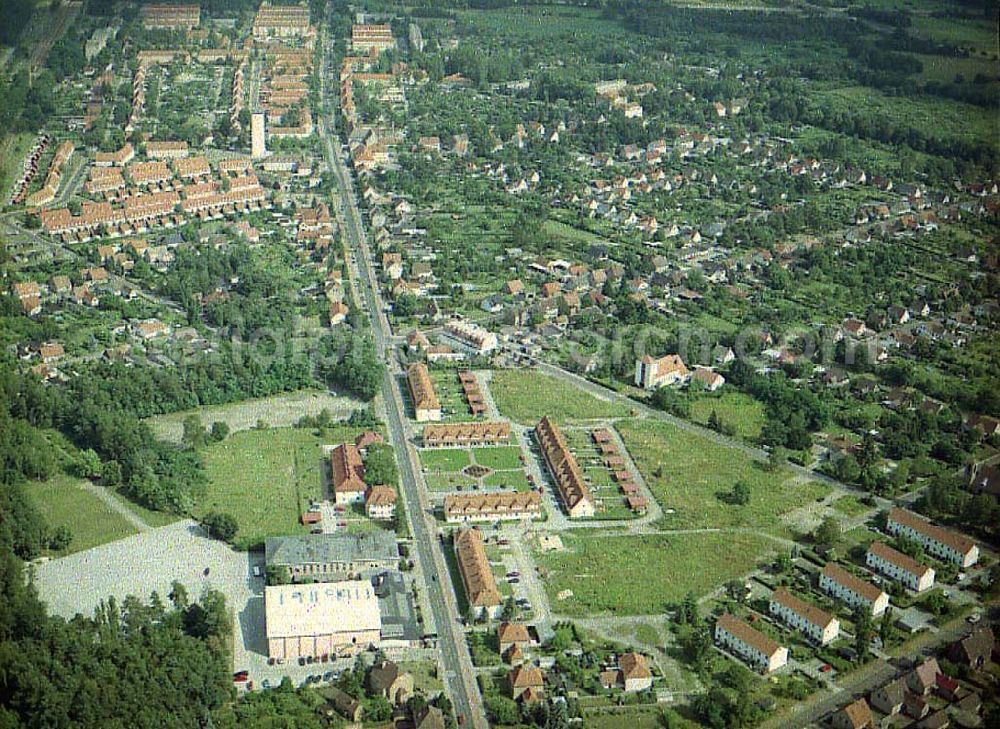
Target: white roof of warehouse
321,608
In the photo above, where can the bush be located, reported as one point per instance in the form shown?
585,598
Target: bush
220,525
219,431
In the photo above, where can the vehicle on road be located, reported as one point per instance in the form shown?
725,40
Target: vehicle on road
256,570
974,618
825,668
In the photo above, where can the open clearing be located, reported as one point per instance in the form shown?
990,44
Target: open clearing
62,503
13,149
694,475
619,574
526,395
265,478
735,410
276,411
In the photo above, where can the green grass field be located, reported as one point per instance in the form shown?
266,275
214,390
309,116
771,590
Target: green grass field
849,506
640,575
444,459
632,717
515,480
526,395
454,406
442,468
692,474
977,35
568,234
648,634
948,118
448,482
62,503
13,149
265,478
507,458
735,409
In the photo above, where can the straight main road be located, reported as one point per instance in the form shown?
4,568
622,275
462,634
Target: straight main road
459,676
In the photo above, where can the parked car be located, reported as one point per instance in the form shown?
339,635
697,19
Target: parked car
256,570
825,668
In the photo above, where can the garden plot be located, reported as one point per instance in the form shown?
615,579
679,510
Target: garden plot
611,481
454,406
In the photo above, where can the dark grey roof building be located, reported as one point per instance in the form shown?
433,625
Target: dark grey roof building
333,556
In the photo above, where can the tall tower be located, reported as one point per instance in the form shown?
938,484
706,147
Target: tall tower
258,150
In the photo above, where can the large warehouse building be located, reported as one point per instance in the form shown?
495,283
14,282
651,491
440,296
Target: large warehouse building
335,618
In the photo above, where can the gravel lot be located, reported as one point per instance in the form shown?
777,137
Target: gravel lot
277,411
142,563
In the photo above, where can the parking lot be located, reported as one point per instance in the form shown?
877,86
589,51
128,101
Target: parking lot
153,560
144,563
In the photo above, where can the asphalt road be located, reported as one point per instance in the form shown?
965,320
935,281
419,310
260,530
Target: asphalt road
458,676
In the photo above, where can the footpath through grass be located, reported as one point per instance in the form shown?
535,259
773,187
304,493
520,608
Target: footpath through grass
642,574
695,476
63,503
527,395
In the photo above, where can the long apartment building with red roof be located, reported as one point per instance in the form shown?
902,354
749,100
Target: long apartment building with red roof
565,471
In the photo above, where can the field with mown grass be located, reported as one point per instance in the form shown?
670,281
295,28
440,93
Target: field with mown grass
63,503
527,395
735,410
266,478
618,574
693,475
443,468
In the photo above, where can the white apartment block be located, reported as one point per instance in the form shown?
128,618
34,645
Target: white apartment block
854,591
900,567
757,649
943,544
818,625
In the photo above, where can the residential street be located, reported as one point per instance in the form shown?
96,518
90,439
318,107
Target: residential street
459,675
